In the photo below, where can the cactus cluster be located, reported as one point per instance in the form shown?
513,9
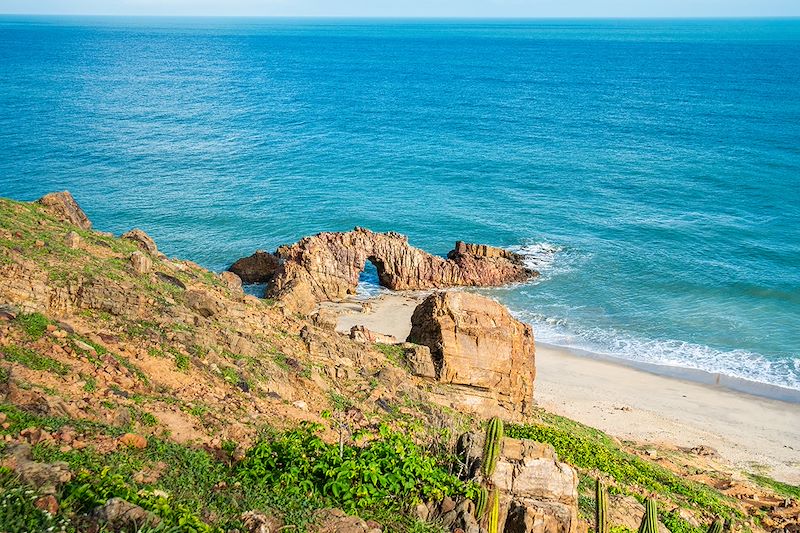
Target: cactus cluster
715,527
481,499
601,510
491,446
494,512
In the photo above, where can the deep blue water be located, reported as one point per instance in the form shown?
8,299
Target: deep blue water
650,169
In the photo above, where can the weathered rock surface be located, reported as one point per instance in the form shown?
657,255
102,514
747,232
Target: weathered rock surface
537,492
63,206
143,240
337,521
45,477
257,268
326,267
140,263
365,335
121,515
475,342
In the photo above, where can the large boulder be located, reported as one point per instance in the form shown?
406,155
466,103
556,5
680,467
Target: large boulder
475,342
143,240
257,268
326,267
538,493
64,207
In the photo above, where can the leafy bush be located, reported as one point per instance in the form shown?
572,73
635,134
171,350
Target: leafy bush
390,472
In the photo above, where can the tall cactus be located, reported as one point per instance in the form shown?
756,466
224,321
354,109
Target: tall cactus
481,499
494,512
715,527
601,510
491,447
650,518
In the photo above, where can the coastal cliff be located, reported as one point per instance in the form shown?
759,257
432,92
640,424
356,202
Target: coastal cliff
142,391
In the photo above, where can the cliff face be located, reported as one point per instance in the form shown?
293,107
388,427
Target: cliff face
326,267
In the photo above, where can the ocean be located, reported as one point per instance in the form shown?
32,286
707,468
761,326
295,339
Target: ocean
650,169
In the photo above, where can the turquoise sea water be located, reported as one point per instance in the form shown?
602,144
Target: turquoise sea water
649,169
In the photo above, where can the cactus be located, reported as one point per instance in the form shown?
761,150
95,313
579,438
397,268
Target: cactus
650,518
494,513
601,510
715,527
481,499
491,448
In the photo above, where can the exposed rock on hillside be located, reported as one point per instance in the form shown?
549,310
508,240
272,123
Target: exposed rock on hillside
326,267
64,207
475,342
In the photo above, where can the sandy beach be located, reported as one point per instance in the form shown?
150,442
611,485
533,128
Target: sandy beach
752,433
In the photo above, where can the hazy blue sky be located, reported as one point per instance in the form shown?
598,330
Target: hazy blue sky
414,8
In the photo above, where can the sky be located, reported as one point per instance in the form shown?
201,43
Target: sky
412,8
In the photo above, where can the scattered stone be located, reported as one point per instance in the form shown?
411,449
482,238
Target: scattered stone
47,503
44,477
204,303
231,280
140,263
363,335
300,404
72,240
84,346
143,240
121,515
258,522
134,441
39,243
63,206
172,280
337,521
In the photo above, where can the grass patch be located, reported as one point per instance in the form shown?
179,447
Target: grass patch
34,324
781,489
34,360
394,353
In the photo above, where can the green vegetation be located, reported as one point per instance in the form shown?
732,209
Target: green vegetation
181,361
17,509
34,324
601,509
494,512
592,451
293,473
394,353
650,518
784,489
34,360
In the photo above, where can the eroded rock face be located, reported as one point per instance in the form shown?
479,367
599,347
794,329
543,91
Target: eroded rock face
258,268
63,206
475,342
326,266
143,240
538,493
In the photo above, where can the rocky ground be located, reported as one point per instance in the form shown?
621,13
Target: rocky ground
136,391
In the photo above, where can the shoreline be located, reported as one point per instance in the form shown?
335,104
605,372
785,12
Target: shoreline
752,429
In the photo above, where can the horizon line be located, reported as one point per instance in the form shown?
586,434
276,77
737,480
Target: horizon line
410,17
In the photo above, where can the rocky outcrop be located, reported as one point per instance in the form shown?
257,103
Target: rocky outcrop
257,268
326,267
64,207
538,493
143,240
475,342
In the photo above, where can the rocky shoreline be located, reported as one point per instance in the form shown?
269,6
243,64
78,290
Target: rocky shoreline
110,346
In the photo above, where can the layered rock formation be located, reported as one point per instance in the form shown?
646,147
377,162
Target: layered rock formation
476,343
64,207
326,267
537,491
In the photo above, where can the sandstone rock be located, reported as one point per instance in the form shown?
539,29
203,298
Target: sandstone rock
72,240
121,515
63,206
337,521
258,268
204,303
475,342
326,267
140,263
419,360
45,477
47,503
143,240
258,522
364,335
134,441
231,280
